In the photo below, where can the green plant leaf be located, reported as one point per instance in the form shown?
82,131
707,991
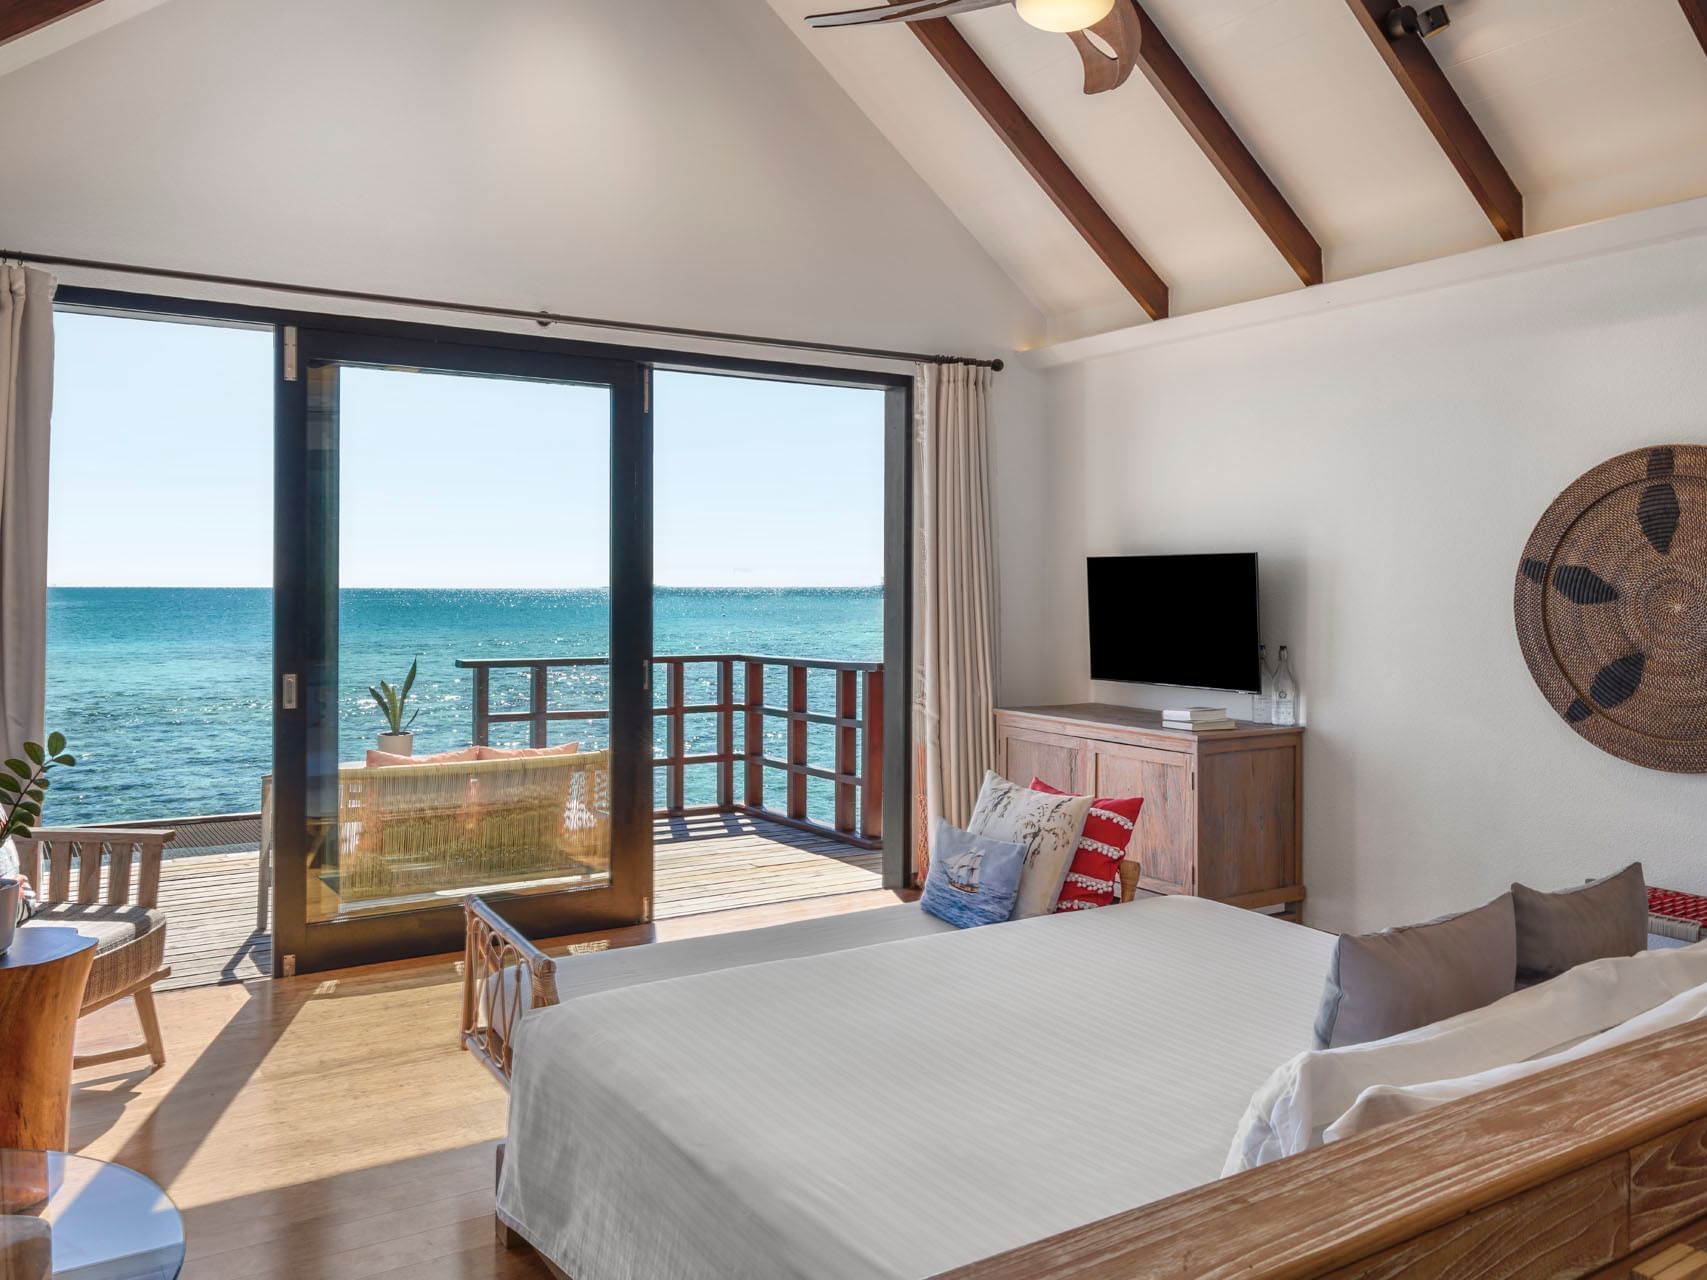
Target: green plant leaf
55,743
409,680
34,752
20,768
21,831
34,793
9,784
27,809
67,760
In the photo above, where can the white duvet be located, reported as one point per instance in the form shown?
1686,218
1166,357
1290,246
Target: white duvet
900,1109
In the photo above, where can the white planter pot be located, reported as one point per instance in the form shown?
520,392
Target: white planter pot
398,744
8,912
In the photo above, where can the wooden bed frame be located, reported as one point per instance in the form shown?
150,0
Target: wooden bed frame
1597,1168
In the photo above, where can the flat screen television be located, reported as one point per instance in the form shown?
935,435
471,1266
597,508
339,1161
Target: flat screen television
1179,620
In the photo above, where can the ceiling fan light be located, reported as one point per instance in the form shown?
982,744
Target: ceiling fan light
1063,15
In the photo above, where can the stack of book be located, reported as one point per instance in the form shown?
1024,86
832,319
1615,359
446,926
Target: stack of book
1200,719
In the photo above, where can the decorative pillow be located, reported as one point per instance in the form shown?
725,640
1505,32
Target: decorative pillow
973,880
1093,878
1380,984
1558,931
1046,825
389,760
527,753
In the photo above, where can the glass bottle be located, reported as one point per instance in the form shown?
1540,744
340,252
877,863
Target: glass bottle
1262,702
1285,691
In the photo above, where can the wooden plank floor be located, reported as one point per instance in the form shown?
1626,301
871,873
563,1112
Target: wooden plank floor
329,1125
714,862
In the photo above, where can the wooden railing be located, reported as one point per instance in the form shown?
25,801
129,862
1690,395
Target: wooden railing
856,773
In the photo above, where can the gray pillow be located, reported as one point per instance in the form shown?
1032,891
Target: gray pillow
1380,984
1558,931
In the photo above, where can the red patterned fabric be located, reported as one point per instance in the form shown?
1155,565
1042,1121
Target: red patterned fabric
1677,906
1093,880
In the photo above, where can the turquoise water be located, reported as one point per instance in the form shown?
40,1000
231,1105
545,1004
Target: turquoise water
163,693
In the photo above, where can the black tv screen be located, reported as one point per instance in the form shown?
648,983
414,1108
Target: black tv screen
1180,620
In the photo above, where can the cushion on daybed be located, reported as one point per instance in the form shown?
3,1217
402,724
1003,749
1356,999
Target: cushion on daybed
391,760
1046,825
1558,931
1380,984
527,753
1093,878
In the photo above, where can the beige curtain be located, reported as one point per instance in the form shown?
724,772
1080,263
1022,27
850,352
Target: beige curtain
26,403
954,685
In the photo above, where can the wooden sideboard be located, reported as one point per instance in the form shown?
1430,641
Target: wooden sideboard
1223,812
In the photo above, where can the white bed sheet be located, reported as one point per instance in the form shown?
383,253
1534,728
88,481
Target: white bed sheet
595,971
900,1109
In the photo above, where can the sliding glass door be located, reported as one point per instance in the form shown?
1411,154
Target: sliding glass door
463,621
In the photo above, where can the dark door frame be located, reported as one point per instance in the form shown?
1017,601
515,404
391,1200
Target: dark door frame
898,389
306,646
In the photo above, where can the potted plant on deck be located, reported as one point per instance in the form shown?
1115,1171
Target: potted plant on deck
398,740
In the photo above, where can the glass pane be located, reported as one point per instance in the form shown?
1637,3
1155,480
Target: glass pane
472,544
768,617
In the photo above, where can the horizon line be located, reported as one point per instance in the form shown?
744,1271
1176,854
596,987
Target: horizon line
665,586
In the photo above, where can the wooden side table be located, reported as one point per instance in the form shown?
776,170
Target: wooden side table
42,976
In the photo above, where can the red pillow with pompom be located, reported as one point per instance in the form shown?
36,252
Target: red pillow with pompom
1093,879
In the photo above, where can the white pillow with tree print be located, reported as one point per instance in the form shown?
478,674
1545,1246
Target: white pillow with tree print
1046,826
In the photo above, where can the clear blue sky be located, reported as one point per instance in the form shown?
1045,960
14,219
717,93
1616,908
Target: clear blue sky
162,472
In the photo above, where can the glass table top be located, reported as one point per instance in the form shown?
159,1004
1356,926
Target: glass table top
65,1217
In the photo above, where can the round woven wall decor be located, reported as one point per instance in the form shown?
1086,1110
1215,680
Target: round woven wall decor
1611,603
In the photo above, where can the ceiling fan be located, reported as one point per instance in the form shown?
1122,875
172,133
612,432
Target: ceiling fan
1045,15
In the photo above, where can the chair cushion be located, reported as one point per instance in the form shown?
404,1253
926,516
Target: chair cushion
130,942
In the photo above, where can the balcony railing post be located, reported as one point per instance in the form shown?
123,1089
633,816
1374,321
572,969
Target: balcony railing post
539,725
726,735
847,748
871,771
753,736
482,706
675,694
797,742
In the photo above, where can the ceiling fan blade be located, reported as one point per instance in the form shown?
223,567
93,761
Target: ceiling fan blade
911,11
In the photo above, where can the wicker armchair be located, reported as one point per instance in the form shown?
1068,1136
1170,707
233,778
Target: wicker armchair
105,883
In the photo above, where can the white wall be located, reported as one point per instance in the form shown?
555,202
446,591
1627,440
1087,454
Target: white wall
675,163
1388,462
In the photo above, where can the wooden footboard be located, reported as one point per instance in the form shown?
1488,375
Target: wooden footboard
503,976
1595,1168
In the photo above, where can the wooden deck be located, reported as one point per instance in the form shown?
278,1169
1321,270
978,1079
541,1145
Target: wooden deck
716,862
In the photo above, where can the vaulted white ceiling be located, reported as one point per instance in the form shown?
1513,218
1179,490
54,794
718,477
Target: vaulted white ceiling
1596,107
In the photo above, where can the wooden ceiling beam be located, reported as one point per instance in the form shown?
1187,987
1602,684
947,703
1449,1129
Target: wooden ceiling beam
974,79
1446,116
1696,12
20,17
1233,160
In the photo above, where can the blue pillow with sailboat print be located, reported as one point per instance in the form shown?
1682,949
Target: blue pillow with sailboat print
973,880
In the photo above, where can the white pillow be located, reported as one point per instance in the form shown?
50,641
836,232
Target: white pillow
1294,1107
1383,1103
1044,823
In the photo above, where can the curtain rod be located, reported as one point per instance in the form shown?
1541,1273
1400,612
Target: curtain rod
544,319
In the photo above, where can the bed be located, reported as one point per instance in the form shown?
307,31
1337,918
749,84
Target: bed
898,1108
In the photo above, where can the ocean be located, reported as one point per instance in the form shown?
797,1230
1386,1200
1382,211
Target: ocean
163,693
